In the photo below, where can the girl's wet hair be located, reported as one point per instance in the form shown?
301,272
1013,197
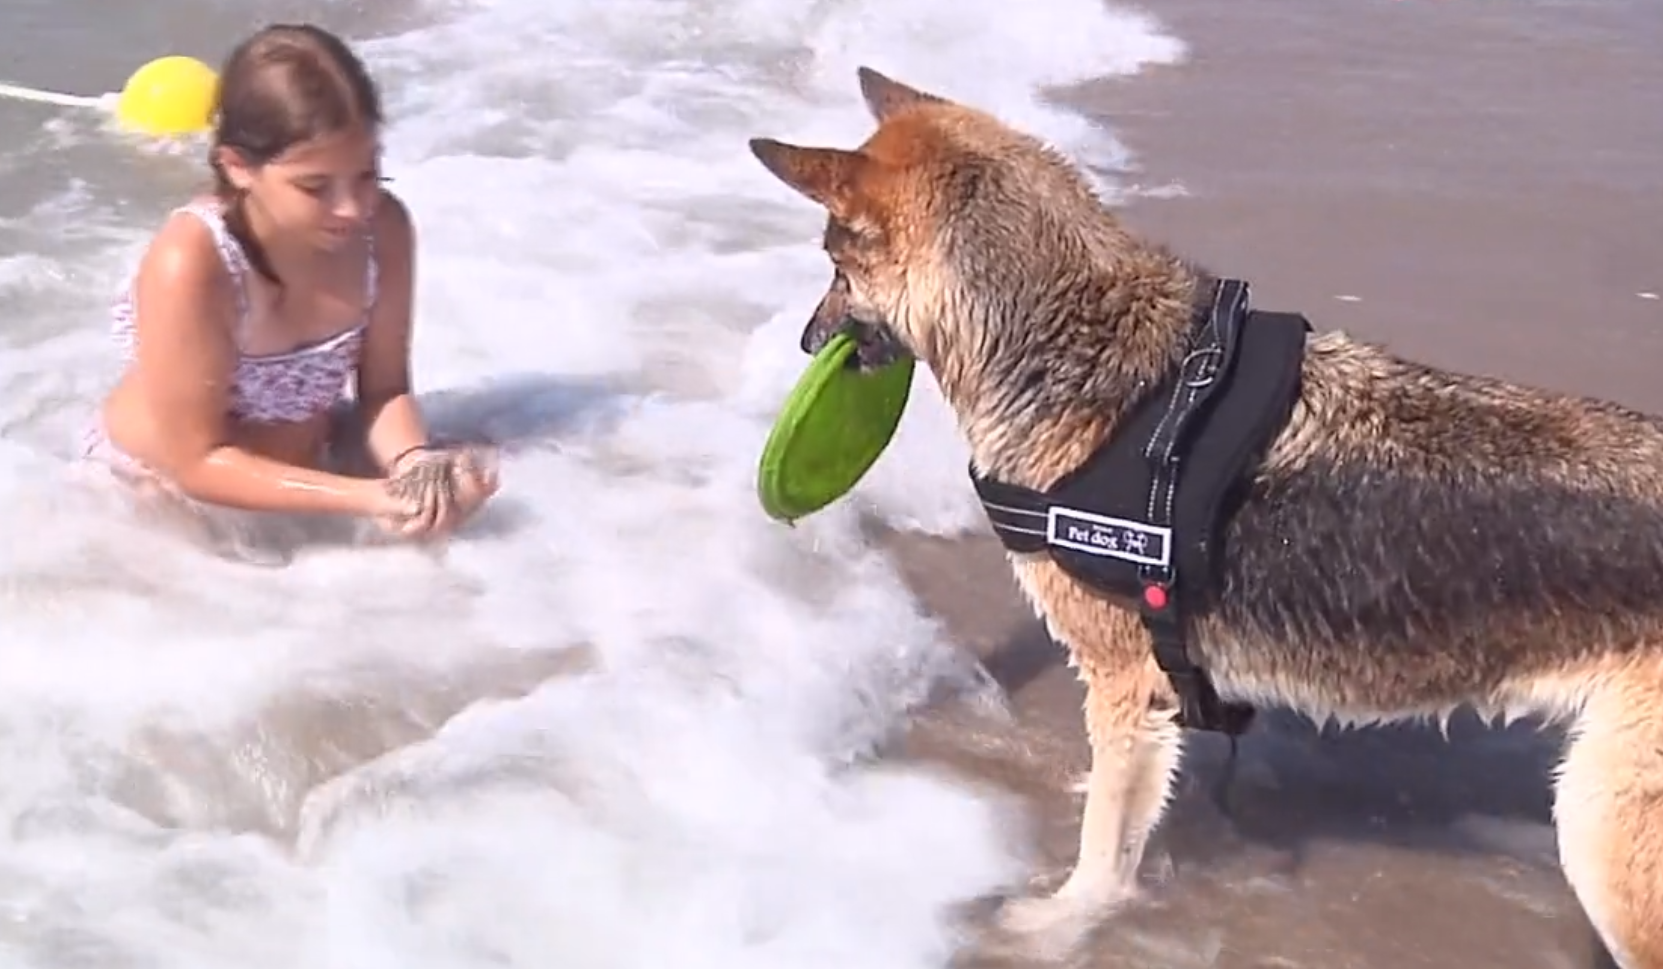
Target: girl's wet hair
282,86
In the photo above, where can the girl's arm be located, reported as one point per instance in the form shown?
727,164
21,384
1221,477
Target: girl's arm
392,423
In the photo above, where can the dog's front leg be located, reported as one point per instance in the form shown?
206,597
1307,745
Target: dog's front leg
1135,752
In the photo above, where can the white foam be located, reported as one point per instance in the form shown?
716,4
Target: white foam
611,282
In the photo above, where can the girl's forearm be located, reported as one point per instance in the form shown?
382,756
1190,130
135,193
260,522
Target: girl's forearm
235,478
392,426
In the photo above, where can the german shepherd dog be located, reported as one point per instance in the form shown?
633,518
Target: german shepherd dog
1412,541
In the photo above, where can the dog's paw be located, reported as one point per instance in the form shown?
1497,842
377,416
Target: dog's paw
1046,882
1049,929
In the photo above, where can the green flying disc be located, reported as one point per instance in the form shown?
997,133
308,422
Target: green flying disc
833,426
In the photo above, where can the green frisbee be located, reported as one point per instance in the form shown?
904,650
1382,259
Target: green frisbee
833,426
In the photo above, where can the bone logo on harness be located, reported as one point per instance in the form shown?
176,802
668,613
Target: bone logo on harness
1117,538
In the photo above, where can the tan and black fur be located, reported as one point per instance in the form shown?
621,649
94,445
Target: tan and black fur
1415,540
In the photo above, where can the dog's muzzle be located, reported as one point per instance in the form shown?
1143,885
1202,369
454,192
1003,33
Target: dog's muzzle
875,344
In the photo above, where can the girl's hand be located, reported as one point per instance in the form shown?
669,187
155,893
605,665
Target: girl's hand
478,479
394,514
436,490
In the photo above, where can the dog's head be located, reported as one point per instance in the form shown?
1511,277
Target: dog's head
937,226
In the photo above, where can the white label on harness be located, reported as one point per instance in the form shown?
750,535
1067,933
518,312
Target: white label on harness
1115,538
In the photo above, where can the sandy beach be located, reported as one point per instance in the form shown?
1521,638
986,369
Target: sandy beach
1407,172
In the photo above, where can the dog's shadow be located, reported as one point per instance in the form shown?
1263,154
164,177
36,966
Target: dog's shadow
1482,792
1478,790
1293,782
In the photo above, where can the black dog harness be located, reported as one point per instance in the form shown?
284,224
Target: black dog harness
1143,518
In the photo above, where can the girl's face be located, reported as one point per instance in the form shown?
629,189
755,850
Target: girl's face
319,193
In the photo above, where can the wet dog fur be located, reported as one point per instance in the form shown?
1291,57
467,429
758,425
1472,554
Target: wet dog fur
1414,541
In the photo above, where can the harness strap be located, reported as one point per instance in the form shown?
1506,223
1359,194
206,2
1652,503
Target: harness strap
1205,369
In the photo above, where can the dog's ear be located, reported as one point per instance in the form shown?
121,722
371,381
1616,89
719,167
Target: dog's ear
826,175
886,96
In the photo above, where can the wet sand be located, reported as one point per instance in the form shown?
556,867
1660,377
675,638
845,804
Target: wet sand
1476,184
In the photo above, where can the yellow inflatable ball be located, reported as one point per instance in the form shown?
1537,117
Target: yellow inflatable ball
169,96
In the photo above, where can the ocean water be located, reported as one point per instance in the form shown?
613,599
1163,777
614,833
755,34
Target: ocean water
622,722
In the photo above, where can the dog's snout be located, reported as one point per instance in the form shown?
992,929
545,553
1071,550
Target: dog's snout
816,335
831,317
875,343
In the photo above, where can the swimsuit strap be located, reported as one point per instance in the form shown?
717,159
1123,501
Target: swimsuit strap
230,251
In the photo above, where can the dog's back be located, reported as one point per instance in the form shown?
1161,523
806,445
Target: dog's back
1422,539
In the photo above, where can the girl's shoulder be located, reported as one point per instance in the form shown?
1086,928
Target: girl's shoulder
392,223
188,250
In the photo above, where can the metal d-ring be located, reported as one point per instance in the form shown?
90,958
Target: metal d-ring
1211,357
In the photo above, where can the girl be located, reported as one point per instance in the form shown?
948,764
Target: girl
252,308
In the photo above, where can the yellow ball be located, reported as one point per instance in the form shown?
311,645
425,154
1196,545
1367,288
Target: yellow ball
169,96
